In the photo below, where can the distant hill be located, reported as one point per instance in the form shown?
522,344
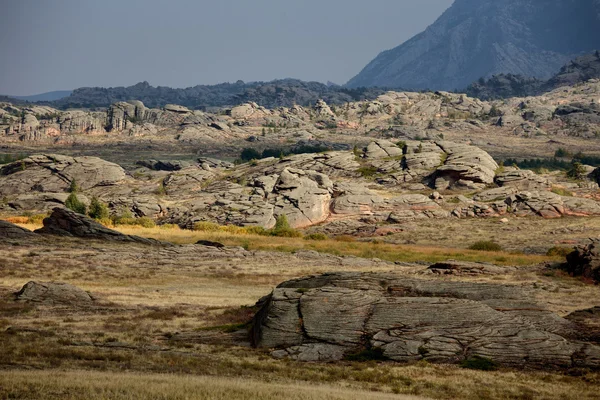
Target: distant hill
280,93
48,96
482,38
502,86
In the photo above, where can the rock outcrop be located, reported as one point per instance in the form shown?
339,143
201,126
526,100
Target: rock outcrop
12,231
328,317
64,222
54,173
54,293
584,261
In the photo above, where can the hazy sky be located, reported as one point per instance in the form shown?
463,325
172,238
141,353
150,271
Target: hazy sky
64,44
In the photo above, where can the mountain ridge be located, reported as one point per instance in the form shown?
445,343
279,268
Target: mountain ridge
474,39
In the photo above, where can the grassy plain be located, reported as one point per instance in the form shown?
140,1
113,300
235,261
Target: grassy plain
169,323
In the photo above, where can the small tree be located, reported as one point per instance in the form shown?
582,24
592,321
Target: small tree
73,187
283,229
249,154
98,210
73,203
577,170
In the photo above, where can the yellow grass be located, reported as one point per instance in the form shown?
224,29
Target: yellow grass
374,249
66,385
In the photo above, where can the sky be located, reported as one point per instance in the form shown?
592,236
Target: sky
49,45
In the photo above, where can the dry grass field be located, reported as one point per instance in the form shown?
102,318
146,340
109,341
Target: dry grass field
169,323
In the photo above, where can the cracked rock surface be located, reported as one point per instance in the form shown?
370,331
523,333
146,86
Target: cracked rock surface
326,317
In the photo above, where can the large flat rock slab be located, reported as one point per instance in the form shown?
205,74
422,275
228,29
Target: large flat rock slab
326,317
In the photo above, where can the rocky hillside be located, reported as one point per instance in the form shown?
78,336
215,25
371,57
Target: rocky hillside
517,127
481,38
280,93
383,186
503,86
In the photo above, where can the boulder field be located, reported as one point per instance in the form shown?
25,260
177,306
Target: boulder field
385,182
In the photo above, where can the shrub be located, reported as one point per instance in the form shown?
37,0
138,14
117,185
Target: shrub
73,203
479,363
559,251
98,210
486,245
316,236
561,152
73,187
577,170
256,230
283,229
367,171
146,222
205,226
124,217
248,154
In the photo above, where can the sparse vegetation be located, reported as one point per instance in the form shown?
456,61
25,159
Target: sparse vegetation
98,210
479,363
73,203
316,236
485,245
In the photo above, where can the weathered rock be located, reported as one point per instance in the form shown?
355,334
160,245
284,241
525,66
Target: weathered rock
210,244
12,231
551,205
303,196
54,294
64,222
54,173
464,163
452,267
585,261
522,180
325,317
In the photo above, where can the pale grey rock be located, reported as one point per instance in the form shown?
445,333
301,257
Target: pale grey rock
325,317
54,293
54,173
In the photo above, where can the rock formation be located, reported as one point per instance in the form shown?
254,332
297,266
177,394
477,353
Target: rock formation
331,316
54,293
54,173
584,261
480,38
64,222
12,231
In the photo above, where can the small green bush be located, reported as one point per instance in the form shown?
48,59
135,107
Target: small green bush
367,171
73,186
283,229
479,363
73,203
98,210
146,222
485,245
559,251
316,236
256,230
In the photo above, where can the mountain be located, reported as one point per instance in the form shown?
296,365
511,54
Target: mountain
481,38
503,86
48,96
279,93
